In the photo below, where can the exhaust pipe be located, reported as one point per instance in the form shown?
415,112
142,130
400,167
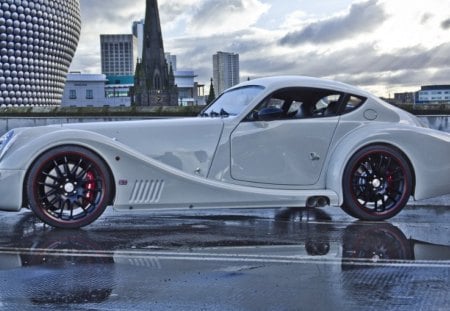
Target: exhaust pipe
312,202
322,201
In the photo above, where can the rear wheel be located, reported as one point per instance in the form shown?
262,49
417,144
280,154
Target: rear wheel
377,183
69,187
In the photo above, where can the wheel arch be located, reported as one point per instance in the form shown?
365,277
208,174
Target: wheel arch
389,145
25,199
336,169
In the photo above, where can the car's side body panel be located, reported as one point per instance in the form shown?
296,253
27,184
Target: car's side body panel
187,144
154,185
282,152
143,182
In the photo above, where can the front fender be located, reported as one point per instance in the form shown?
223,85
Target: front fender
33,142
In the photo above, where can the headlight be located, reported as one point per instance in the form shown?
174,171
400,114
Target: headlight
6,142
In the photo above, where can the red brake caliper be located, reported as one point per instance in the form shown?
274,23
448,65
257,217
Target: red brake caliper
89,187
390,181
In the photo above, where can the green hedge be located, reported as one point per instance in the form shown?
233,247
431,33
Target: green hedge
100,111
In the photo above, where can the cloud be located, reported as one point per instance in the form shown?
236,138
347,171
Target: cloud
225,16
97,18
363,17
446,24
174,8
382,51
362,65
115,14
173,11
425,18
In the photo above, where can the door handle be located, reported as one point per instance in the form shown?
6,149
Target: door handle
314,156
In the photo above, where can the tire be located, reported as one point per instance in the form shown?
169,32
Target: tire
69,187
377,183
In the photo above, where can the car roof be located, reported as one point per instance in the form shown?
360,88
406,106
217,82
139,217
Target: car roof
278,82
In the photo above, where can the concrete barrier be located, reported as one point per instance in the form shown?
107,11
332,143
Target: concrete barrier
8,123
441,123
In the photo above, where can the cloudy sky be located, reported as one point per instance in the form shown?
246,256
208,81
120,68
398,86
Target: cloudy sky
384,46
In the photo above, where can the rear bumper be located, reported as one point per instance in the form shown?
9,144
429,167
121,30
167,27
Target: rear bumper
11,187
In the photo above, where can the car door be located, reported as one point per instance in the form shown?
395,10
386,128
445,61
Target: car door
286,139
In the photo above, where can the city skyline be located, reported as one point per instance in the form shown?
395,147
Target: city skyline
379,45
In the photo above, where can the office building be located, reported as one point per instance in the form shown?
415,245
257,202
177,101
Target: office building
225,71
190,93
92,90
171,61
35,51
138,33
404,98
84,90
118,57
434,93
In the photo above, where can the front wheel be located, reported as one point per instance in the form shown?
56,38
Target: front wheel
377,183
69,187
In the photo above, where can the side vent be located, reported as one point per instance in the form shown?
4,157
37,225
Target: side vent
146,191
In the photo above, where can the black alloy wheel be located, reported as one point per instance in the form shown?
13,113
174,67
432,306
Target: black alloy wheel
377,183
69,187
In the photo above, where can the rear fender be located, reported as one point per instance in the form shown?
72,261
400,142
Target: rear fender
426,150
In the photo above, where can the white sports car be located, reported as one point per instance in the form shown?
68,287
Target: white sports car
271,142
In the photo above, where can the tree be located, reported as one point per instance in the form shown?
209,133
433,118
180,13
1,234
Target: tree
212,94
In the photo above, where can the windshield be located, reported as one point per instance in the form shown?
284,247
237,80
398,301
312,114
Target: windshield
233,102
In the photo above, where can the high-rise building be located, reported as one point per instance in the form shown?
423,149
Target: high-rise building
225,71
154,81
138,33
38,40
171,61
118,55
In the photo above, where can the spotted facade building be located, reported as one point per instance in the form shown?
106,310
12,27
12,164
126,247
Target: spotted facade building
38,39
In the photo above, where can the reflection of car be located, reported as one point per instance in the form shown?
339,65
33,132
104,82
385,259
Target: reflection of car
282,141
366,245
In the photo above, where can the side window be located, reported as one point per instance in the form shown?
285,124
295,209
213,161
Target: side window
295,107
353,102
297,103
273,103
327,106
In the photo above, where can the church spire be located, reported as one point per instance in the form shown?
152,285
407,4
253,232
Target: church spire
154,85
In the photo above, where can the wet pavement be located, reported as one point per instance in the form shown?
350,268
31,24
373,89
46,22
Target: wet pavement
266,259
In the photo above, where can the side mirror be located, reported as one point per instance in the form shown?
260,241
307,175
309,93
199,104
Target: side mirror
270,113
